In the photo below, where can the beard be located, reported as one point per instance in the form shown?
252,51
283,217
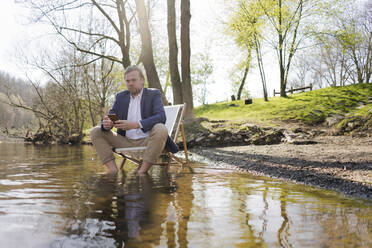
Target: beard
134,91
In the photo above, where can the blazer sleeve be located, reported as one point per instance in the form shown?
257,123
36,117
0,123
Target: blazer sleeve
157,112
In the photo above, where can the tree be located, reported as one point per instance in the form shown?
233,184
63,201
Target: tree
106,22
239,73
246,27
257,46
355,36
285,18
185,58
242,83
99,86
11,118
303,67
202,69
334,65
147,57
181,84
173,53
346,48
238,77
286,25
71,94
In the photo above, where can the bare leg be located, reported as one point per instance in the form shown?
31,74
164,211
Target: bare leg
111,167
144,167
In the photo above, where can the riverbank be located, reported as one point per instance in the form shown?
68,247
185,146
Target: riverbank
340,163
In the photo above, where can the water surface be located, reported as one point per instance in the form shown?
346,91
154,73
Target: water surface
59,196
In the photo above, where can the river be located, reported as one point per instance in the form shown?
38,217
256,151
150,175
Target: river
59,196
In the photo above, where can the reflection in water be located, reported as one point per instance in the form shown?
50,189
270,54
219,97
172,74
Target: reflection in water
57,196
283,230
121,209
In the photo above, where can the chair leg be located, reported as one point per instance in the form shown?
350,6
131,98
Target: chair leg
123,162
185,148
190,168
184,143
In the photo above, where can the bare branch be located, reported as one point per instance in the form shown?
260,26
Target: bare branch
111,58
106,15
91,34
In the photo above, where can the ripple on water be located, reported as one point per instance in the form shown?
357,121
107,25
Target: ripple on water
10,182
20,175
23,181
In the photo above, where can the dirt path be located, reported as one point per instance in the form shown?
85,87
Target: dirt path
340,163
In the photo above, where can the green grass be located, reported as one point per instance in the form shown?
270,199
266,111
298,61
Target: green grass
311,108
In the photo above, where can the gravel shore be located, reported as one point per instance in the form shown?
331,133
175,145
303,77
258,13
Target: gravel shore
340,163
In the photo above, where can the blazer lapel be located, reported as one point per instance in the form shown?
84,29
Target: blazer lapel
144,97
126,105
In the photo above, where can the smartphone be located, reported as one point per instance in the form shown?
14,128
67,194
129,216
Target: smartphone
113,117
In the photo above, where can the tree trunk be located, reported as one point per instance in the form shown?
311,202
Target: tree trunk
147,57
185,58
173,54
123,33
368,66
87,88
283,83
249,57
238,96
293,43
261,67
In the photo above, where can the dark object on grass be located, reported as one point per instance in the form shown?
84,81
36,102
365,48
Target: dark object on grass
248,101
233,105
233,98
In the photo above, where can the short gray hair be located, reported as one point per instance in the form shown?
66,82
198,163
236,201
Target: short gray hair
134,68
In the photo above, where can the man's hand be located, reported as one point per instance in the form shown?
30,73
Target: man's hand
107,123
126,125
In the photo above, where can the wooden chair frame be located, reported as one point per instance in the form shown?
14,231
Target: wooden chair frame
174,125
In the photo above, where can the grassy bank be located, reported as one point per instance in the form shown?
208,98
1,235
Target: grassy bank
311,108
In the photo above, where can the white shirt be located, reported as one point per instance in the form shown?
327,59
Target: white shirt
134,115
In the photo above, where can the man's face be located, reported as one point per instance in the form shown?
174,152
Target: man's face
134,82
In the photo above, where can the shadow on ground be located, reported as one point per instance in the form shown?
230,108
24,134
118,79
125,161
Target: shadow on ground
322,174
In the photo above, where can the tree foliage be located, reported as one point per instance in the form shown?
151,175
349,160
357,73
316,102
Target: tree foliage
344,49
284,25
354,36
74,98
12,118
202,69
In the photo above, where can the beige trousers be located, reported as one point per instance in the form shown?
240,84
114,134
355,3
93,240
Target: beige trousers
104,141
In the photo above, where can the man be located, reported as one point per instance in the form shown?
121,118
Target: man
141,123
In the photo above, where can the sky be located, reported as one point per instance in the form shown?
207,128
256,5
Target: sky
206,34
11,33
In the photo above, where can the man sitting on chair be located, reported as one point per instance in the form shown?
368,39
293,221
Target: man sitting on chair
141,123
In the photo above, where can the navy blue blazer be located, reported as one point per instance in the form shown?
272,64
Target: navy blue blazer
152,112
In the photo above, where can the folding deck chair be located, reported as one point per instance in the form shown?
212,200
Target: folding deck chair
174,114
